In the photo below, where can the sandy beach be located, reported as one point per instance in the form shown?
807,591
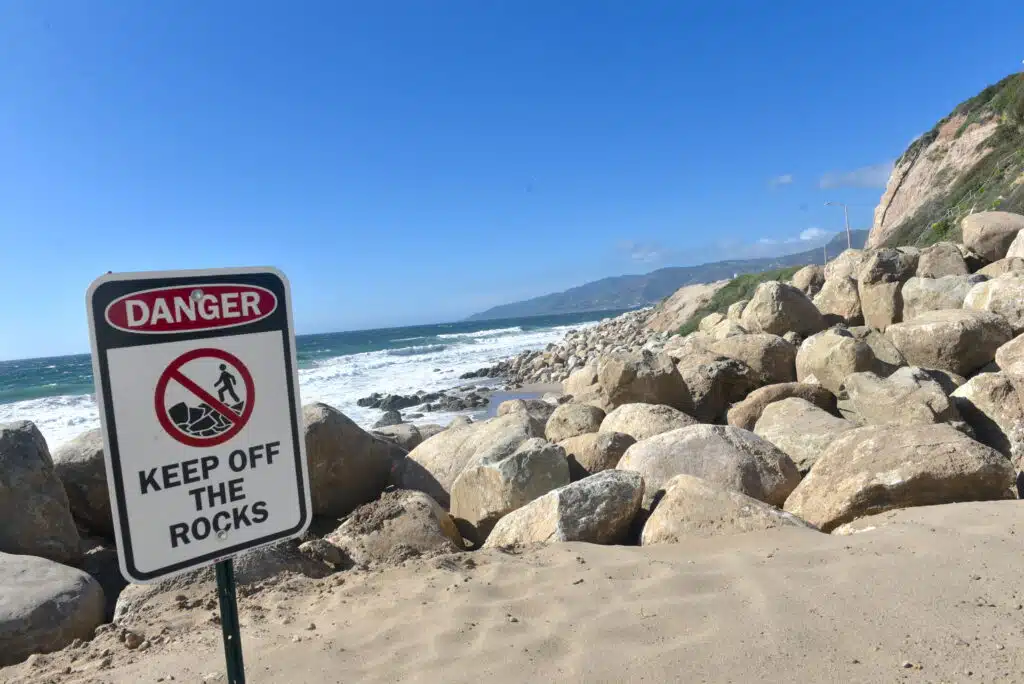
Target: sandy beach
921,595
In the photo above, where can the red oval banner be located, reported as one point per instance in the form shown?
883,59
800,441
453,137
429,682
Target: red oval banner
191,308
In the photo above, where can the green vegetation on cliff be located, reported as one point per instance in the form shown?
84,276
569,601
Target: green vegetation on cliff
736,289
996,182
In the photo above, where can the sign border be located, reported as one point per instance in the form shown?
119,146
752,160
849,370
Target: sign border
115,481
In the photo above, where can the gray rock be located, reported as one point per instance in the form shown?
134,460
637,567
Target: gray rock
887,357
990,233
347,466
731,457
598,509
595,452
846,265
689,507
406,436
832,355
100,561
959,341
777,308
800,429
1003,295
770,356
389,419
839,302
908,397
44,606
1001,267
880,282
879,468
572,420
641,421
809,279
1011,352
993,408
538,409
33,505
941,259
626,378
746,413
715,382
79,465
934,294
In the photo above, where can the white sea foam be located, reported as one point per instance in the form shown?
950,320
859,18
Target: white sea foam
338,381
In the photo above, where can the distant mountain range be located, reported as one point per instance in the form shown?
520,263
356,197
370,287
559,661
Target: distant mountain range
632,291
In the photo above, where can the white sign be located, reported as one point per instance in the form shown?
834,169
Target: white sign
197,386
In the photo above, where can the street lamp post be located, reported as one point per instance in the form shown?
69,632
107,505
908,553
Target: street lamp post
846,217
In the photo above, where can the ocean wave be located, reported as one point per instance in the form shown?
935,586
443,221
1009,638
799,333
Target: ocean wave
410,339
494,332
418,350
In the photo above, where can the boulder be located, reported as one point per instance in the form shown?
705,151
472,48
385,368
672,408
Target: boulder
581,382
34,508
347,466
402,524
494,486
961,341
1011,352
941,259
735,311
390,418
458,422
795,339
690,507
597,451
839,302
995,411
730,457
627,378
538,409
641,421
778,308
832,355
1003,295
879,468
909,397
44,606
407,436
935,294
710,321
809,279
800,429
880,282
726,329
433,466
772,358
1016,248
571,420
888,357
99,559
79,465
598,510
990,233
715,382
846,265
746,413
1001,267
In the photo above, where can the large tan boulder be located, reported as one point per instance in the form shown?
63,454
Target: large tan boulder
1002,267
746,413
941,259
406,435
597,510
724,330
878,468
935,294
595,452
433,466
990,233
832,355
735,311
887,355
493,486
715,382
402,524
800,429
44,606
347,465
641,421
80,466
626,378
571,420
778,308
681,306
846,265
960,341
994,409
770,356
710,321
1011,352
538,409
1003,295
809,279
1016,248
730,457
35,516
909,397
582,381
880,282
691,507
839,301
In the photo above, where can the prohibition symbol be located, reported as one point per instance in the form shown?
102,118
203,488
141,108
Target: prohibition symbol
204,397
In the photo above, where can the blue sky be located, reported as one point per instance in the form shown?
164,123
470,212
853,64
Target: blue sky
408,162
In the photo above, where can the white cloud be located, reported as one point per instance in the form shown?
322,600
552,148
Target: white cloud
813,233
641,252
874,176
784,179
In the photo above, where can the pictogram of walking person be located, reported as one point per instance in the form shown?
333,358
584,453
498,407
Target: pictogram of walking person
226,384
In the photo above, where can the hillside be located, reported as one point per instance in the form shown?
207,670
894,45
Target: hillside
972,160
630,291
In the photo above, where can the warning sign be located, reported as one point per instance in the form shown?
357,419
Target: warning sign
196,380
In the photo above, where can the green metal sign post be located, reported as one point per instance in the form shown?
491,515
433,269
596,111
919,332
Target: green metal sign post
229,622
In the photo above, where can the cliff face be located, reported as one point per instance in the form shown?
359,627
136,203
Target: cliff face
973,160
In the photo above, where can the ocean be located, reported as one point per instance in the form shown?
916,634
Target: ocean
335,368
